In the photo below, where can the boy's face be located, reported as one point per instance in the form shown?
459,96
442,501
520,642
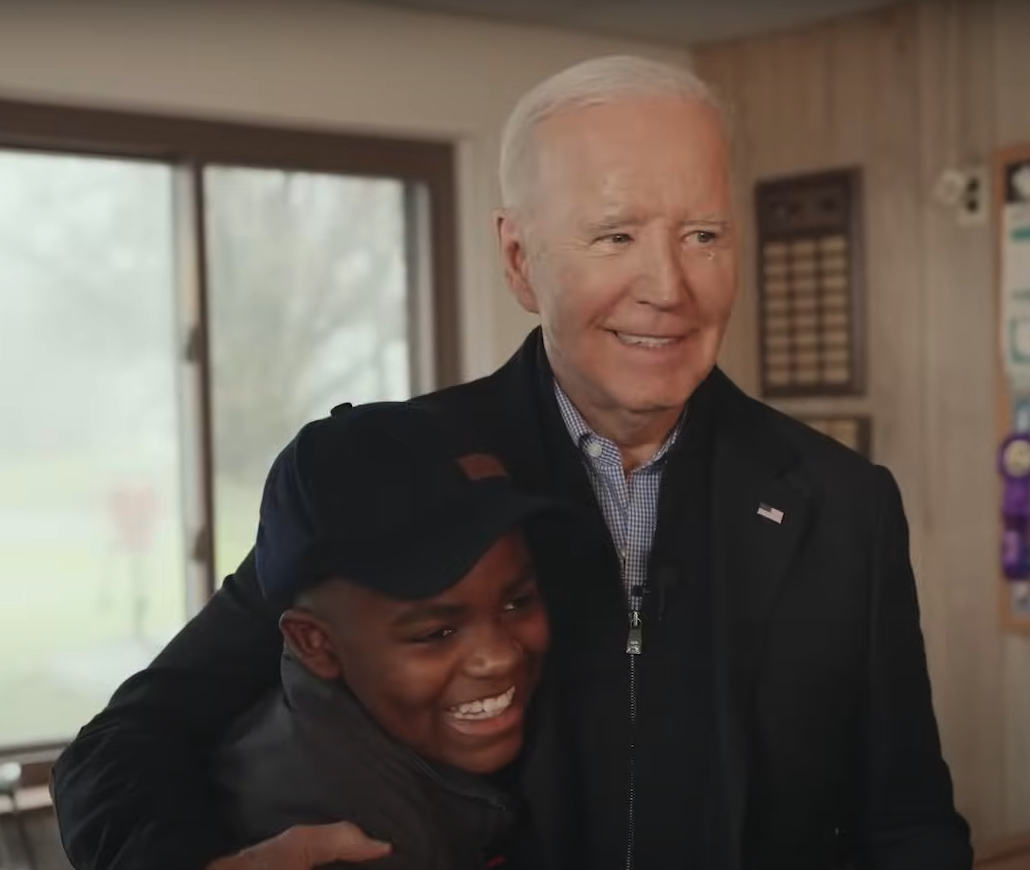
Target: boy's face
449,676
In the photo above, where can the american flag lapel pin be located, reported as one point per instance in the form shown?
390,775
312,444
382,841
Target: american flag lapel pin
770,513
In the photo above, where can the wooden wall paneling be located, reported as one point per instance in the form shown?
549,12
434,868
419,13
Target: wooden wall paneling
1008,853
1011,64
882,55
954,94
1017,733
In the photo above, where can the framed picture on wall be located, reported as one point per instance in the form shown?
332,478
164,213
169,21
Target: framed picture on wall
851,430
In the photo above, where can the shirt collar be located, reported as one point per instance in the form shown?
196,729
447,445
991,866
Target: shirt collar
584,437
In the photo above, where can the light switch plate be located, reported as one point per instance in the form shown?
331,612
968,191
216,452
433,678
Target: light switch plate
975,199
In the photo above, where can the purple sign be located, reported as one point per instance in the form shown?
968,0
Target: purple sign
1014,467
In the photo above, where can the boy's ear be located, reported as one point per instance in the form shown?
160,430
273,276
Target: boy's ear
308,640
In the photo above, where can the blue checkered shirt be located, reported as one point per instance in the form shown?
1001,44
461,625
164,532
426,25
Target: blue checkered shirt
629,502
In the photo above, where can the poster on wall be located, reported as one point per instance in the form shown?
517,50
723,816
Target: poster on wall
1015,274
1012,170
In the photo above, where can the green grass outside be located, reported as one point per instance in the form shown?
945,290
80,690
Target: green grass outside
67,591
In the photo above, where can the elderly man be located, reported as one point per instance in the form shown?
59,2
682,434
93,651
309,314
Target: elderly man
741,675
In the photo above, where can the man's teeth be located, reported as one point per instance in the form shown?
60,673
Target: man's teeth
486,708
644,340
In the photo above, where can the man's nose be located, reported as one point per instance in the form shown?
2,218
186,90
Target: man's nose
663,282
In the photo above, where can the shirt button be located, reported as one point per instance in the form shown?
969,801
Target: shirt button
594,449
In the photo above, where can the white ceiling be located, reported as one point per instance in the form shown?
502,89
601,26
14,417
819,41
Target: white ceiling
676,22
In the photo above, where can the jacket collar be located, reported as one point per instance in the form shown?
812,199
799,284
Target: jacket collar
518,406
333,704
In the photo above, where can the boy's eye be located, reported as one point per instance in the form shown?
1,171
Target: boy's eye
523,600
441,634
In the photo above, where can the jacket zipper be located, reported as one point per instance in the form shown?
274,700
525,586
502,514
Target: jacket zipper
634,646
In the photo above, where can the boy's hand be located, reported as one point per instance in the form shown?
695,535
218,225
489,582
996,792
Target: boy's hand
305,848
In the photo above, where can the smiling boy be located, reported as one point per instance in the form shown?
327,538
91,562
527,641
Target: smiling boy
414,638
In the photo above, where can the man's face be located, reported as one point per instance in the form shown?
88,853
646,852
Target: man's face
450,676
625,247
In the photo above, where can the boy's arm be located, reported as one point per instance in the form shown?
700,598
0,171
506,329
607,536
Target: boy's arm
133,790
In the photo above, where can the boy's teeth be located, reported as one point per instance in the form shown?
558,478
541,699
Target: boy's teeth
485,708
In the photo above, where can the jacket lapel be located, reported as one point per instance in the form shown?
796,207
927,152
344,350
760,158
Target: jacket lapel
760,513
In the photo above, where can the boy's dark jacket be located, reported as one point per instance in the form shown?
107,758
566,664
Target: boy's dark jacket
783,716
310,754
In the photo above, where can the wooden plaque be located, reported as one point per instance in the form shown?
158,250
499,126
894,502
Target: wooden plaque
809,285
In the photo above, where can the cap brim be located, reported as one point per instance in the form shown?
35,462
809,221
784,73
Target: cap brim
437,557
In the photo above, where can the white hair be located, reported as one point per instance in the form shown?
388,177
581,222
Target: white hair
590,83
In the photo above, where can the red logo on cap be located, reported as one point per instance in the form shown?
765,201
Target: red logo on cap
480,465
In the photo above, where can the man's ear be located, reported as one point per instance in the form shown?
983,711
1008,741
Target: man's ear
514,261
308,639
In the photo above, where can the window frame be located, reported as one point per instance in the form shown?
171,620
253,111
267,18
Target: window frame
188,145
194,142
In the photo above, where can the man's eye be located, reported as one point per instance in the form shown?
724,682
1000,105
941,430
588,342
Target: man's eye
704,237
615,238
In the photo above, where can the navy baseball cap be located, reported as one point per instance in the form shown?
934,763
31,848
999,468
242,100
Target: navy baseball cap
390,496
